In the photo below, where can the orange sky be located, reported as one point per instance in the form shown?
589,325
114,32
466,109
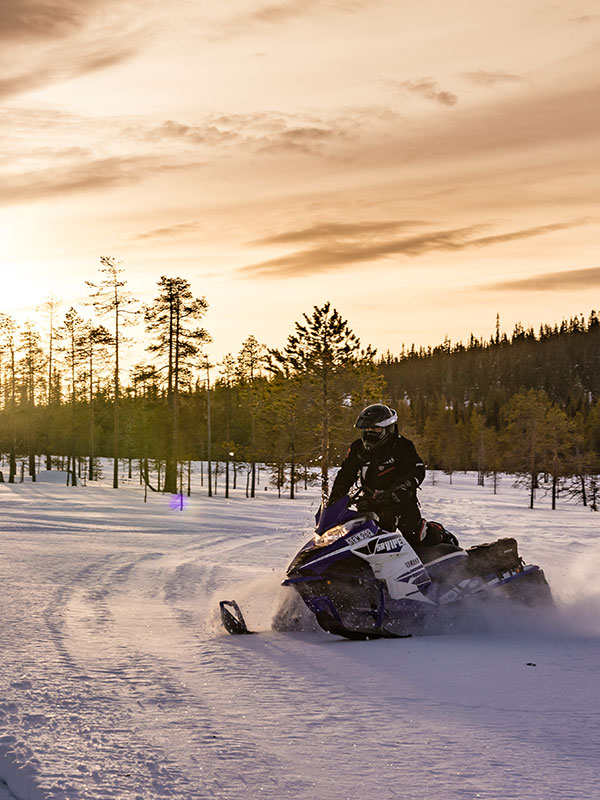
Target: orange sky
423,165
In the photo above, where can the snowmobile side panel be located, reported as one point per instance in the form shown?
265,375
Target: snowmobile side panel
528,587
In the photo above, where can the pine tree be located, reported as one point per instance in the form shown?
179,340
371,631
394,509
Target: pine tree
249,370
74,336
49,310
285,404
110,297
226,385
177,343
560,443
324,350
146,381
526,436
32,364
95,340
8,346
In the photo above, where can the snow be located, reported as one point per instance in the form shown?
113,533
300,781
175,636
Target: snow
118,682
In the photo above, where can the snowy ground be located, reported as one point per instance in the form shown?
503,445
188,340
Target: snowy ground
117,682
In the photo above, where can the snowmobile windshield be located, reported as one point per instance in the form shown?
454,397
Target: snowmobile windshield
335,514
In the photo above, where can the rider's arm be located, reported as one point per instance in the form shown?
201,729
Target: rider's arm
346,476
417,468
410,466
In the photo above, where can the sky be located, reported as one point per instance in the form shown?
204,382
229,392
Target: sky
422,165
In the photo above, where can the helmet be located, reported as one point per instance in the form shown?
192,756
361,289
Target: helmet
377,416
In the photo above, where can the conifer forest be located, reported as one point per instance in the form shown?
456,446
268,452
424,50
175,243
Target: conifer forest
526,403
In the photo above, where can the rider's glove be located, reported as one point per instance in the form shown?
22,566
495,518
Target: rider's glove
404,491
363,504
399,494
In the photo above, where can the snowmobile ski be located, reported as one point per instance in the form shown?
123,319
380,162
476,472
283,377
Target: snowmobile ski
334,628
233,621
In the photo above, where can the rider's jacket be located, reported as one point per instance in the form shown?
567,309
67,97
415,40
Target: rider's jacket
379,469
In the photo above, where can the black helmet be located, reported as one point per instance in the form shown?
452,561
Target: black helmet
377,416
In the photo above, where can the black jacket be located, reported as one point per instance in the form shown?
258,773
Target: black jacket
380,469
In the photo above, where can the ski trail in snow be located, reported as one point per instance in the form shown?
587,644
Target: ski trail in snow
119,683
182,704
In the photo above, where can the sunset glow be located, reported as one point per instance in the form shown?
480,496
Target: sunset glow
422,165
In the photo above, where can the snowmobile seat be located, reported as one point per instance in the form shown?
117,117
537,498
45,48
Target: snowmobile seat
443,561
439,551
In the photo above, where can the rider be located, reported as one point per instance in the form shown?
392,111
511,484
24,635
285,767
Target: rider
390,470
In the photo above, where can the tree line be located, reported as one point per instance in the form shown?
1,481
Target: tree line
64,394
526,404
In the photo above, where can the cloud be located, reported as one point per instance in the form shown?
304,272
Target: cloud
23,20
305,139
485,78
195,134
102,59
350,230
528,233
82,176
264,132
550,129
550,281
46,41
16,84
275,13
169,231
283,12
430,89
340,253
62,68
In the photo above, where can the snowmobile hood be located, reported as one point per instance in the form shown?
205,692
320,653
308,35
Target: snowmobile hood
336,514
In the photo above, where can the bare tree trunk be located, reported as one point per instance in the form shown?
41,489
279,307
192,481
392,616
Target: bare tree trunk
292,474
583,493
325,438
116,406
208,429
12,458
92,443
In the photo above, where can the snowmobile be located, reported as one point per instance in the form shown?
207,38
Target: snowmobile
363,582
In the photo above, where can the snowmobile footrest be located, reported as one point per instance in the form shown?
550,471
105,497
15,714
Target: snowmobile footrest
233,621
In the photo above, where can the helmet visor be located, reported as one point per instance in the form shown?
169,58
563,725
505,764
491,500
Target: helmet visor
372,436
376,415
